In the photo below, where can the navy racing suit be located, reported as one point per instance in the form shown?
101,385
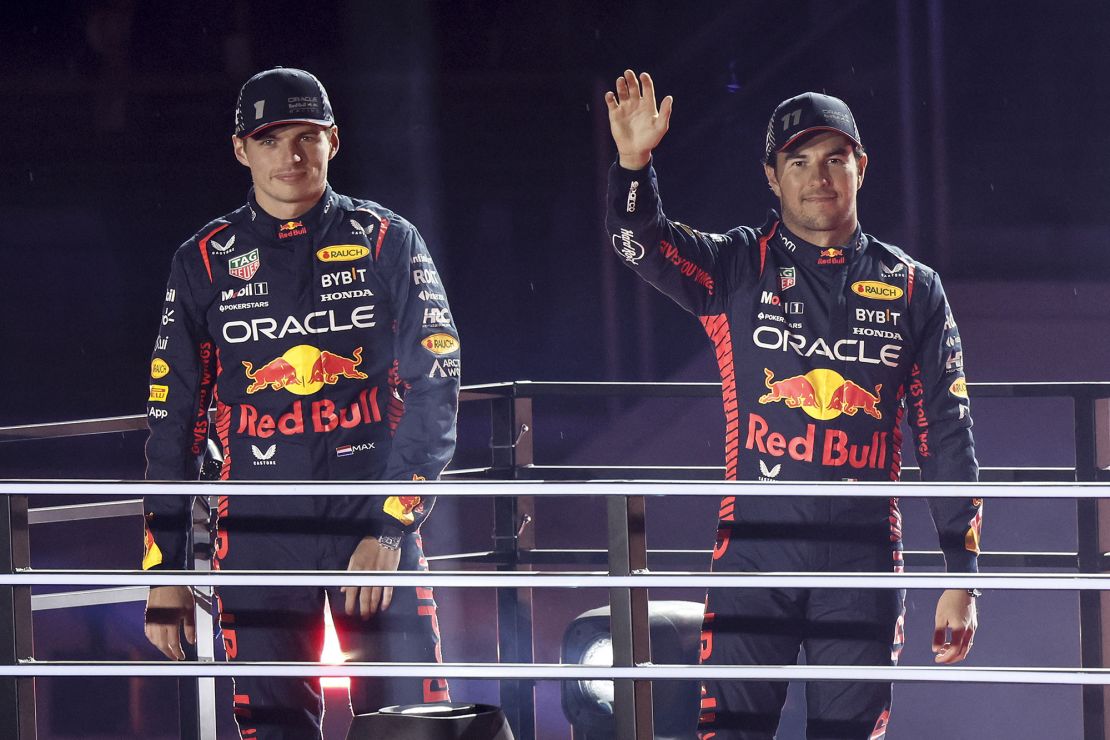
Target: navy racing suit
822,352
327,346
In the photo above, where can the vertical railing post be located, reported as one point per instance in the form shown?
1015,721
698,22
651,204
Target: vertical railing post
1090,561
511,443
17,695
628,616
205,615
1092,452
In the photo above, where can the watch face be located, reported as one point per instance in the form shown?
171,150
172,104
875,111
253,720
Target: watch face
390,542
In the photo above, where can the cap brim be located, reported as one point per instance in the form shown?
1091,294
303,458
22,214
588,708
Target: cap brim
810,130
271,124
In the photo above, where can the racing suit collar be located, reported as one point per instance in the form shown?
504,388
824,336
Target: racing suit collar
822,256
307,223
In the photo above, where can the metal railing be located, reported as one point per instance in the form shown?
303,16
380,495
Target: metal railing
512,458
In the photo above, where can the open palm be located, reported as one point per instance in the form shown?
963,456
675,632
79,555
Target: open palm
635,122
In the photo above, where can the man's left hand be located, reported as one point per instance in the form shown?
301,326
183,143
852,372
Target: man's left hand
956,613
370,556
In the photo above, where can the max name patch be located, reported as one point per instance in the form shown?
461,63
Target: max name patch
440,344
876,290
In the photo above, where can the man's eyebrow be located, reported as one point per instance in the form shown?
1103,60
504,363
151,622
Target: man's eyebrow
839,150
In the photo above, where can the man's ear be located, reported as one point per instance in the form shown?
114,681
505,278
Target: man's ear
333,141
861,165
772,180
240,147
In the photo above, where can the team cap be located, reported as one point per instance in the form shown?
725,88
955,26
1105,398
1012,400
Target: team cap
806,113
281,95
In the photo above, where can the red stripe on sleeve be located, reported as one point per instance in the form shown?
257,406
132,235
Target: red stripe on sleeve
203,246
763,246
381,238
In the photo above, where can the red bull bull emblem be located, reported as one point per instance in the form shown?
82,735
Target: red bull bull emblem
402,508
831,256
303,370
822,394
290,229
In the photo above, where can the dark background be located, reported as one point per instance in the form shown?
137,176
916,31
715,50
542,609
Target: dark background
484,124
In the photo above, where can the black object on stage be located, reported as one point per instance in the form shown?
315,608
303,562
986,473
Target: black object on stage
446,721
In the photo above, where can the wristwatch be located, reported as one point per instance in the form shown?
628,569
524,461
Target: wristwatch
974,593
390,540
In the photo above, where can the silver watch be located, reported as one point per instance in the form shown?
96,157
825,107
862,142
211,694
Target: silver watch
390,541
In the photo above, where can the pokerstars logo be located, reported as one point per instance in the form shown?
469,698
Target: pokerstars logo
822,394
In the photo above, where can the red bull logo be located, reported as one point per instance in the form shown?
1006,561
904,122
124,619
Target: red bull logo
290,229
834,449
401,508
329,367
822,394
319,416
831,256
304,369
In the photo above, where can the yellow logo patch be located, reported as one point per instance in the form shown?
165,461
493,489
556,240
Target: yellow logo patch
876,290
342,253
159,368
440,344
159,393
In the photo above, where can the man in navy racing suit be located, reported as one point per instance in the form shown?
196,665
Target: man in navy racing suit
825,337
318,327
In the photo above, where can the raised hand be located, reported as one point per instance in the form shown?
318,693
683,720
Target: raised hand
637,126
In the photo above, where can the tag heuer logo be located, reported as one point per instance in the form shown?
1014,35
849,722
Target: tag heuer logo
786,278
245,266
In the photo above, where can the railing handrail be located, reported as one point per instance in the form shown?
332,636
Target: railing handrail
542,388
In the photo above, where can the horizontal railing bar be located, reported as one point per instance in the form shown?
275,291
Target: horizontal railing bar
996,559
74,428
81,512
562,579
715,472
1033,490
553,671
537,389
90,597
